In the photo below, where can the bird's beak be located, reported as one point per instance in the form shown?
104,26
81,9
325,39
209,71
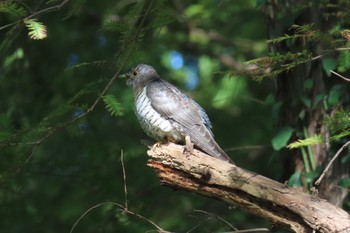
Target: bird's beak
122,76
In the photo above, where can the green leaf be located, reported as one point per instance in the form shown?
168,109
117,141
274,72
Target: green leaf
344,61
194,10
282,138
270,99
328,64
18,54
122,217
306,101
37,30
335,94
276,109
306,142
112,105
340,135
295,180
308,84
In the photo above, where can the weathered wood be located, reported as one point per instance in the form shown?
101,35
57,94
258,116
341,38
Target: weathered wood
259,195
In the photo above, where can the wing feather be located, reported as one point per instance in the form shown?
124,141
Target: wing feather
176,105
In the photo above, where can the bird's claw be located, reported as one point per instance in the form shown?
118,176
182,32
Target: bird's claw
188,146
157,145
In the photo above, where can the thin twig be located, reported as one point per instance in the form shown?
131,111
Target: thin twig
9,25
46,10
341,76
235,230
49,9
200,223
122,208
254,230
124,178
318,181
342,48
345,189
18,168
249,147
316,57
87,211
218,217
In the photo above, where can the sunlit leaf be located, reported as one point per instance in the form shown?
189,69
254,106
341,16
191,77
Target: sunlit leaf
37,30
306,142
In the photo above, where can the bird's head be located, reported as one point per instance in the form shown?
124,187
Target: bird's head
140,75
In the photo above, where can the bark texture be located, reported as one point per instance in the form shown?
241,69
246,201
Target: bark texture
259,195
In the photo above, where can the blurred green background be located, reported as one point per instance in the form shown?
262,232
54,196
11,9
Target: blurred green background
47,185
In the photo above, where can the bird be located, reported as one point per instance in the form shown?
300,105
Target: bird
168,114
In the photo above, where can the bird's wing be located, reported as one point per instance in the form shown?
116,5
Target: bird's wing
172,103
186,115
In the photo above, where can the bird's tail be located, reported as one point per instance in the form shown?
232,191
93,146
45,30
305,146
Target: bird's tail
204,140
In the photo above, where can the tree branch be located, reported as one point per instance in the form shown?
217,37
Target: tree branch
205,175
46,10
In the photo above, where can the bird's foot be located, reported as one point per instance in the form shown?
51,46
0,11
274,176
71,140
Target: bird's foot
188,146
157,145
160,143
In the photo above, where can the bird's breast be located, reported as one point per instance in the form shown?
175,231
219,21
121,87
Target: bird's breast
155,125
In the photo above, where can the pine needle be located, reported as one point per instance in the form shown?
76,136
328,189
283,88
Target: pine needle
306,142
112,105
37,30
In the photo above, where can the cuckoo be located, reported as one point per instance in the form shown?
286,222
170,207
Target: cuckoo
168,114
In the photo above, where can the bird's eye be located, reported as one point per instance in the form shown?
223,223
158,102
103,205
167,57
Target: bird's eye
134,73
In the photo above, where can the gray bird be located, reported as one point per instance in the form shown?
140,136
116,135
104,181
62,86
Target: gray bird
167,114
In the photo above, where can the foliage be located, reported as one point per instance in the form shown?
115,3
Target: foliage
305,34
312,98
338,125
338,121
13,9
